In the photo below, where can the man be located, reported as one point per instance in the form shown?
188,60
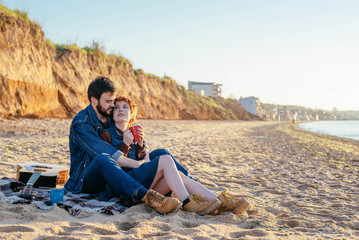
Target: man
95,164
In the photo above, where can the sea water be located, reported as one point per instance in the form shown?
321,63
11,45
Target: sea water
347,129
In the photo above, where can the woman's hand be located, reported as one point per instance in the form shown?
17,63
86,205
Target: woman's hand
141,134
127,137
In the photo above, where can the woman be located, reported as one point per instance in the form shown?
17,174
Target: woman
159,171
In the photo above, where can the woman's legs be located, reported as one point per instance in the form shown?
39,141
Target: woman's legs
194,187
162,186
169,178
168,170
191,186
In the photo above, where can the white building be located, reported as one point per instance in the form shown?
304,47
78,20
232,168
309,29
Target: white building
199,92
252,105
210,89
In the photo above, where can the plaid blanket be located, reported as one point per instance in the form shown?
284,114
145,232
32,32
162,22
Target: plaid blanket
73,203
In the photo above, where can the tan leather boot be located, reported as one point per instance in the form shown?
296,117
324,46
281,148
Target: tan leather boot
201,206
232,204
161,203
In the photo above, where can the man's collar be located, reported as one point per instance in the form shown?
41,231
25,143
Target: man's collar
93,116
95,120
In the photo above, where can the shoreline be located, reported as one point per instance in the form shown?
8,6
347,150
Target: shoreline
331,131
301,184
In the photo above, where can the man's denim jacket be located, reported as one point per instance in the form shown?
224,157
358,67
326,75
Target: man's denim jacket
85,145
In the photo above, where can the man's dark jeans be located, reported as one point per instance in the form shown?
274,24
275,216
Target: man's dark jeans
104,172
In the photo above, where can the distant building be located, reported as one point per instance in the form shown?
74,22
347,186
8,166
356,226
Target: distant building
269,113
283,114
199,92
208,89
252,105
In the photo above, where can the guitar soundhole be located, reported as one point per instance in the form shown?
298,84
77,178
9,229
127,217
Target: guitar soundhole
40,169
37,166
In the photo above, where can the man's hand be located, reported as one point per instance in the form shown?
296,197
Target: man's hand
128,162
147,157
145,160
127,137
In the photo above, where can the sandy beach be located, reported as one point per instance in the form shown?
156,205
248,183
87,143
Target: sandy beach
301,185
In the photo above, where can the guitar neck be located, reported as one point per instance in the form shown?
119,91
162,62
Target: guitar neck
34,178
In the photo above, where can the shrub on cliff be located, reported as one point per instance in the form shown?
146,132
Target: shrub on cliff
14,13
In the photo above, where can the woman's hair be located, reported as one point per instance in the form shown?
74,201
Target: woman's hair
133,107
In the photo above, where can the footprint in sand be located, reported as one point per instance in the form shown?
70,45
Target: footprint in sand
16,209
188,228
66,230
160,229
152,235
190,224
56,238
69,230
253,233
101,231
9,229
125,226
163,227
95,230
292,223
76,224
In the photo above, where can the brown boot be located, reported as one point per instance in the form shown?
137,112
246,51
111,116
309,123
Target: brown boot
201,206
161,203
232,204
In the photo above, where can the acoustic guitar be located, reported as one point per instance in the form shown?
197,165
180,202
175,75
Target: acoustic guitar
40,175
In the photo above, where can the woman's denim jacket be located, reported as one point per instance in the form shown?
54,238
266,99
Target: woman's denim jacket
85,145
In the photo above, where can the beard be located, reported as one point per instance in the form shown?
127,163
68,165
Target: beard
104,112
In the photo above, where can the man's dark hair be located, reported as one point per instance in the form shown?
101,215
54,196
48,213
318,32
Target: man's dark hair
98,86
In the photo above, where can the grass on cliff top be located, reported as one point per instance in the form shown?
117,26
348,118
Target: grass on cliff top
168,79
140,71
164,79
94,50
14,13
72,46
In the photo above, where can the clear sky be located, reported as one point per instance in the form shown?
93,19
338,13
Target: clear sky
294,52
